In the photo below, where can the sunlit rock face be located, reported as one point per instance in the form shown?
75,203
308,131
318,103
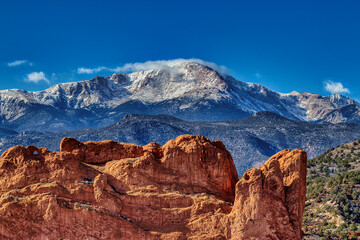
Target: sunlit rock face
185,189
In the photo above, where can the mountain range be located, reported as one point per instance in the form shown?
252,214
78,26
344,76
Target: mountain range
188,90
251,140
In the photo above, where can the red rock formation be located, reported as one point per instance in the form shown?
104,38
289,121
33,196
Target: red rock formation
270,201
186,189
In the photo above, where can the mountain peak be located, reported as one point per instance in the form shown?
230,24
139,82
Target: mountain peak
119,78
187,89
339,100
269,117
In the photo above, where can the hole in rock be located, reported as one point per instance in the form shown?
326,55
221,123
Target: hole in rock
273,185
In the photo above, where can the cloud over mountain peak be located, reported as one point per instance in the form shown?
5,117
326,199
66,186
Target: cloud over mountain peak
151,65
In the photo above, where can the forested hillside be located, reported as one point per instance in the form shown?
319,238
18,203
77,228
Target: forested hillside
333,194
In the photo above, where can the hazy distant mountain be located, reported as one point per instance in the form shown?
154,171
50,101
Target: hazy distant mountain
251,140
189,91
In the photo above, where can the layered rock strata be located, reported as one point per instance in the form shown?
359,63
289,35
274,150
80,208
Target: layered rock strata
185,189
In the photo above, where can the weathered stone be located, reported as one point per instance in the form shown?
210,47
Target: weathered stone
186,189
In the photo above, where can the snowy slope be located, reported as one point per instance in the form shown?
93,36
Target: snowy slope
189,91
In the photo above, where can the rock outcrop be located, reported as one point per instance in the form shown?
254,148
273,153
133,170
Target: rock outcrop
186,189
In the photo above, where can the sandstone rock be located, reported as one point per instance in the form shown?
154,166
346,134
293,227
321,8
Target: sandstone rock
270,200
100,152
186,189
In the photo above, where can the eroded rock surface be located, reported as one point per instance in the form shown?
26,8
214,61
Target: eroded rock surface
186,189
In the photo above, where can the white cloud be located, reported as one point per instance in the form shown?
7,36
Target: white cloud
335,87
19,62
258,75
36,77
83,70
150,65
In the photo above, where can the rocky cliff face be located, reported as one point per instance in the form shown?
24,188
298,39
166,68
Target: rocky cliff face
185,189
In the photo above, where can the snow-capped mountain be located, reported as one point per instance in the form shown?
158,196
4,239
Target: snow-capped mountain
188,90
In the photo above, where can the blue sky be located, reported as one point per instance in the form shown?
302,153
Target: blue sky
284,45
